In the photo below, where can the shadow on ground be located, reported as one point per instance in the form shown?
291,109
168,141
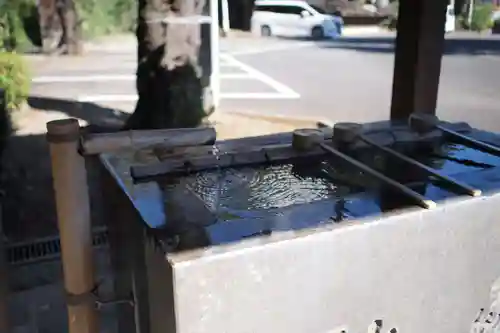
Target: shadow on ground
453,45
94,114
28,199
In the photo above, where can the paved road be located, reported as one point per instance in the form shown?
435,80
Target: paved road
350,79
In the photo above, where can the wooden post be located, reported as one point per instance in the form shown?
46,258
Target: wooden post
73,215
419,49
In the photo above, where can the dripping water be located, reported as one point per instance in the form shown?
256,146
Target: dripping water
218,180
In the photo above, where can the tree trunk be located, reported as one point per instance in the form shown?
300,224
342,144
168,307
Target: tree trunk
59,26
168,74
49,25
71,38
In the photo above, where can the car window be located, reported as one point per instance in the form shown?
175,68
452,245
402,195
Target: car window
262,8
295,10
288,10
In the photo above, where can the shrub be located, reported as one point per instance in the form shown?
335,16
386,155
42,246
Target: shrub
14,15
14,79
20,30
5,125
104,17
482,17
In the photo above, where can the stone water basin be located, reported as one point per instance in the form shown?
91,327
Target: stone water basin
273,240
233,204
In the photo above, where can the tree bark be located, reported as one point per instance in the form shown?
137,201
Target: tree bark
49,24
59,25
168,73
71,37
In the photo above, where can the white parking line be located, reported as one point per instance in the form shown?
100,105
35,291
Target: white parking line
281,91
286,92
117,77
133,98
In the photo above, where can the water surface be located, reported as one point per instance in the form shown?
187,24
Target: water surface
255,201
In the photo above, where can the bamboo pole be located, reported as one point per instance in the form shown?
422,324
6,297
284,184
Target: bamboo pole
180,137
421,122
347,133
73,215
301,142
229,159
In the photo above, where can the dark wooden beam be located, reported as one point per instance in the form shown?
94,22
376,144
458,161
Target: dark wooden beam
419,49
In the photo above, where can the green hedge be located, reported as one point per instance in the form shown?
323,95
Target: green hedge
14,79
482,17
19,29
100,17
16,19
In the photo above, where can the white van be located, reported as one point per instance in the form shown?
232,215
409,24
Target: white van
294,19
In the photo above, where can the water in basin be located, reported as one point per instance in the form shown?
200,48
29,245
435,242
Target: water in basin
259,200
269,187
235,193
453,158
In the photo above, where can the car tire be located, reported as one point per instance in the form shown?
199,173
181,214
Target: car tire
317,33
265,31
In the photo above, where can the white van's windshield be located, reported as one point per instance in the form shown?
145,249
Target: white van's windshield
318,9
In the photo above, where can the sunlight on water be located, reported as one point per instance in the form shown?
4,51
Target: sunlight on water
263,188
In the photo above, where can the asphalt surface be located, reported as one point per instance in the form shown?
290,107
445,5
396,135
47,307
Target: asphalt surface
351,80
345,80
